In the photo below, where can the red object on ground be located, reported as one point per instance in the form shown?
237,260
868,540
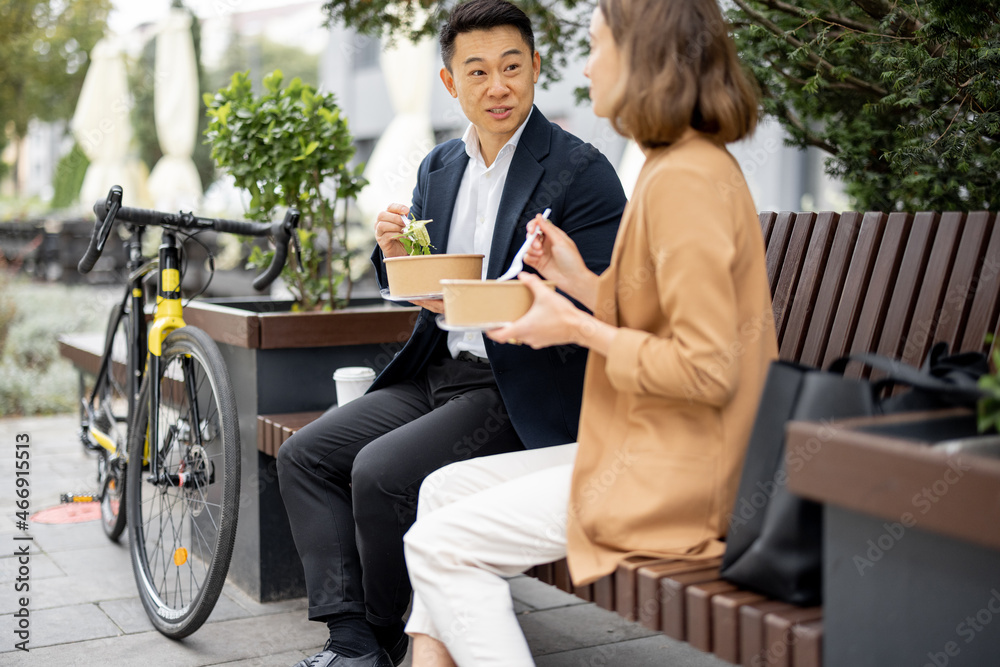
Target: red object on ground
69,513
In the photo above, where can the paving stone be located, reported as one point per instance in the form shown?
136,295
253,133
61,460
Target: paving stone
62,625
100,560
567,628
654,651
537,595
49,537
263,608
128,615
277,660
66,591
213,644
42,567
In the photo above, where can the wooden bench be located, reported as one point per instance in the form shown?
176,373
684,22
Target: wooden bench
841,283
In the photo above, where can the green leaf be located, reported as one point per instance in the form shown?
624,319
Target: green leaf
272,82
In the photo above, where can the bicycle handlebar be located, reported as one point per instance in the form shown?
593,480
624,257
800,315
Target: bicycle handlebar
109,210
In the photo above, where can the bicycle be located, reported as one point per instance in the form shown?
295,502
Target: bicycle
179,468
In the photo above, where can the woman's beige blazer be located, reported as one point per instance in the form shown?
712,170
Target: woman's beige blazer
667,414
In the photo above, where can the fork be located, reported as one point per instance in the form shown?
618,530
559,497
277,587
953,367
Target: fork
518,262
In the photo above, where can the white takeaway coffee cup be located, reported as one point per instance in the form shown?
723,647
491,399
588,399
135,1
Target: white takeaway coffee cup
352,382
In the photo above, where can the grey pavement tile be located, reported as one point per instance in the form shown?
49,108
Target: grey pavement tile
580,626
128,615
52,537
62,625
255,608
214,644
276,660
537,595
42,567
656,651
65,591
101,560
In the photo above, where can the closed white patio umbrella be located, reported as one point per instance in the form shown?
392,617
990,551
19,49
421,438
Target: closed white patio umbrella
102,126
392,168
174,182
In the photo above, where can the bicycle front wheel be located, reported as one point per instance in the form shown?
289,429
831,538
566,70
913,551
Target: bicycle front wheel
183,511
111,418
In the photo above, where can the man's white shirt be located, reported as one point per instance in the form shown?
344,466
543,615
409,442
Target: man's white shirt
475,216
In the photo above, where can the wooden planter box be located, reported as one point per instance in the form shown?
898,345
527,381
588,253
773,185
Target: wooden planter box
911,539
279,362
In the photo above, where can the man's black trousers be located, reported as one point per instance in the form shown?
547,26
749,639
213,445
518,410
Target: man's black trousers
350,479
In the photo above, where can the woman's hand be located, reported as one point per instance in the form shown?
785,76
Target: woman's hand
554,255
551,320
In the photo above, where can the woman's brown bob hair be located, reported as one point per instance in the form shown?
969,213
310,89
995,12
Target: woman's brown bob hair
683,72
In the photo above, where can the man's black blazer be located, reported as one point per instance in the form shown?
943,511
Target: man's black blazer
551,168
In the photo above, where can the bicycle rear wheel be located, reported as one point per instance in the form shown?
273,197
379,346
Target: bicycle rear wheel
110,417
182,524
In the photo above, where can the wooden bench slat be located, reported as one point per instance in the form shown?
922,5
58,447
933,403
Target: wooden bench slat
831,287
790,269
698,613
985,312
807,650
907,284
767,224
777,244
545,573
726,622
673,603
923,322
604,592
779,637
625,583
560,576
648,578
274,429
752,650
957,298
791,337
855,287
879,293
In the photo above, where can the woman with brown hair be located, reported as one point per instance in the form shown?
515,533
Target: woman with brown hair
680,340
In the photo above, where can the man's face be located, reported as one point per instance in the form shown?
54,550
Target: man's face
493,76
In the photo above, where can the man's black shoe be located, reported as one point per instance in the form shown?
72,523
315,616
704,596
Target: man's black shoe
329,658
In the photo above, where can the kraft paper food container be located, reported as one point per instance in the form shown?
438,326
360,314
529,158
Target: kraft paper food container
486,303
421,275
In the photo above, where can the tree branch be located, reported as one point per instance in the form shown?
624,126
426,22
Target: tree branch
879,9
834,19
796,122
762,20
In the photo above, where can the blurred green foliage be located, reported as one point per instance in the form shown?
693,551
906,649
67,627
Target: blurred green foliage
68,179
44,47
903,95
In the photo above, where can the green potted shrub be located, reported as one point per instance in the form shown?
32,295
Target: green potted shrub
286,147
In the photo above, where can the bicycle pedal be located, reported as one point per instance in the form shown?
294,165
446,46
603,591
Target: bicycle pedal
78,498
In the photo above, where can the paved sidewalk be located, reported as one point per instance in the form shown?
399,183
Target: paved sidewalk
84,609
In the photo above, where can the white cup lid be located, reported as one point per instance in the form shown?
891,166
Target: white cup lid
354,373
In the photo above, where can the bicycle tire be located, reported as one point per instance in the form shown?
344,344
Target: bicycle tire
182,527
111,415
